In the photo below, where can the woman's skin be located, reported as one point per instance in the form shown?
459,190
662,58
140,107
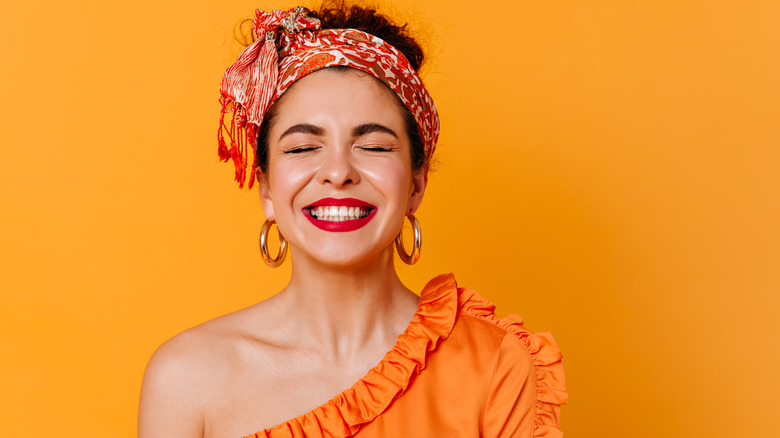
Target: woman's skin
337,134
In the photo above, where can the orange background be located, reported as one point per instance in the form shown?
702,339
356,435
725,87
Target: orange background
609,170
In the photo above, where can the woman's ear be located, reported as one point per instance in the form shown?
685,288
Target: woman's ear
419,182
265,194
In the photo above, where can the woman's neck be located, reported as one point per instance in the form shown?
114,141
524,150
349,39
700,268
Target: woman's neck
344,310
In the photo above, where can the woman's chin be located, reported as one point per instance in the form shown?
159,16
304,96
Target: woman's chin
344,258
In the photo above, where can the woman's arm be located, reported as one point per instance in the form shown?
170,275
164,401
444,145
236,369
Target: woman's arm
527,389
512,398
170,407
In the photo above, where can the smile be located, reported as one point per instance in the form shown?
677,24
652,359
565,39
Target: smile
339,215
336,213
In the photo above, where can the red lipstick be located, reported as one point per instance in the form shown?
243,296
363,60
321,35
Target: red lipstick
318,214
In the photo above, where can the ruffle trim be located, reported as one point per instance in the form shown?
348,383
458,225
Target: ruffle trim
548,369
440,302
344,414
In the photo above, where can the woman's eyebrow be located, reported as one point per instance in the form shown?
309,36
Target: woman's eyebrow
303,128
368,128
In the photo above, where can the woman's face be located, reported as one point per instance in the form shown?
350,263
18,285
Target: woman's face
339,179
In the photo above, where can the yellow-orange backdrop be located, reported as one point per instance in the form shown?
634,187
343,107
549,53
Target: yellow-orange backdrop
609,170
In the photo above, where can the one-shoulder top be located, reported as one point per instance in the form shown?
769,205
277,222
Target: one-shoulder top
456,371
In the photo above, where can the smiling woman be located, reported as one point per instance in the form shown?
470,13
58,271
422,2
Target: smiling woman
335,125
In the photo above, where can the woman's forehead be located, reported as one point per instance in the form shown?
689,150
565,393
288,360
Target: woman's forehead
345,78
338,94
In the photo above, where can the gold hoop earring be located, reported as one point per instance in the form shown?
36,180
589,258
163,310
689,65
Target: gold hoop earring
272,262
412,258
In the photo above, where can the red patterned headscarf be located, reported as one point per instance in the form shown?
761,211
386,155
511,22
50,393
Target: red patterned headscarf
291,45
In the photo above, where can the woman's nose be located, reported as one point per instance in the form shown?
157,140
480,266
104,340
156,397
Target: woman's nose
338,169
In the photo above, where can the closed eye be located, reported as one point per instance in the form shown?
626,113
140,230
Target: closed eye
300,150
376,148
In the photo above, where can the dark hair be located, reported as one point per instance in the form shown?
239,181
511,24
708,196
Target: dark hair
337,15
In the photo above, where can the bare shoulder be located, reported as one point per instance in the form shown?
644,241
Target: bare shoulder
205,354
172,391
190,372
186,357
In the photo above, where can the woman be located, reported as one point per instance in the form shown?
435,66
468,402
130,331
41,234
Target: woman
344,133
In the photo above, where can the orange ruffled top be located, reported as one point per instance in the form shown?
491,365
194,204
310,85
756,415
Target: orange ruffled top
456,371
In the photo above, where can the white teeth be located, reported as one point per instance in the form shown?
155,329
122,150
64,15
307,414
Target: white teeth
338,213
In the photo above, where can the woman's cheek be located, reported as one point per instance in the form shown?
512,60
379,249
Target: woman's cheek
287,175
285,183
393,173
